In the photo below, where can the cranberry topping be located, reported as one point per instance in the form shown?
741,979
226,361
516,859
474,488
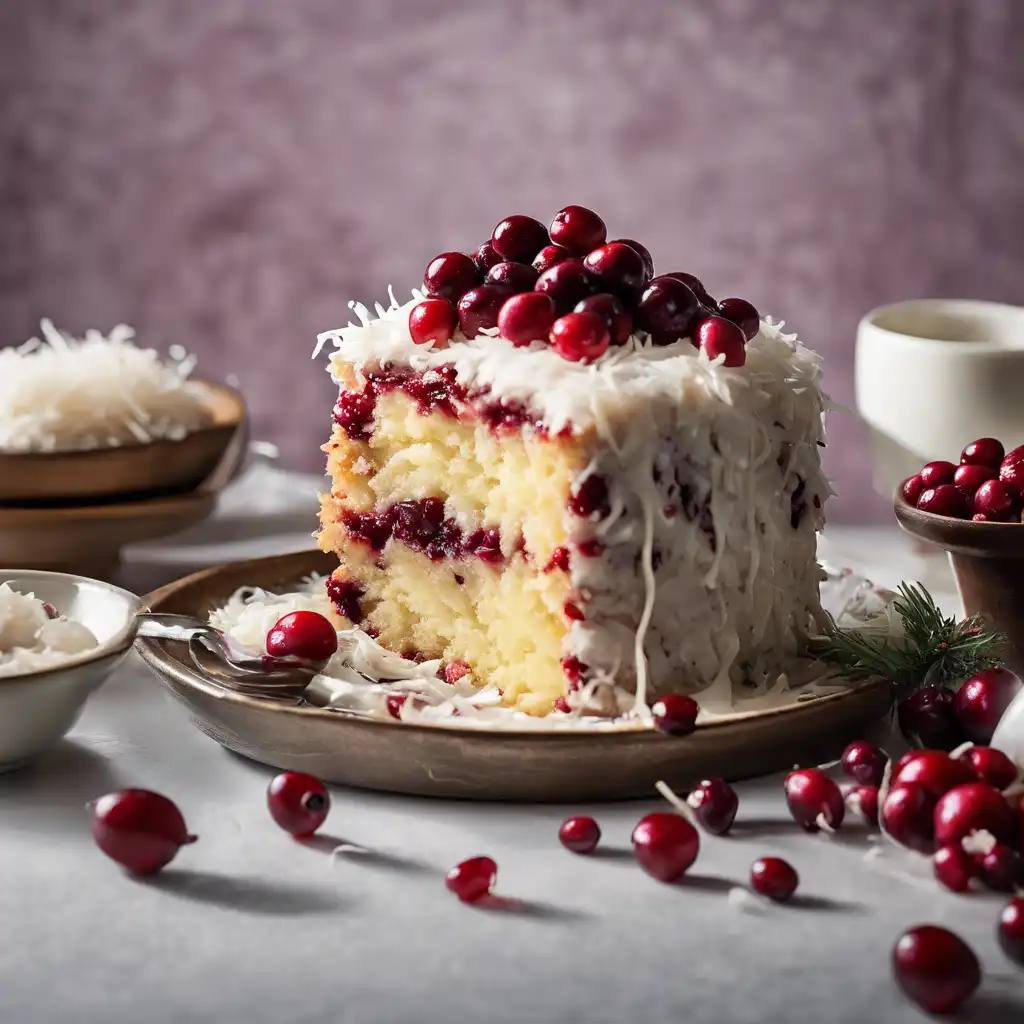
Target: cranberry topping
944,500
578,229
982,701
590,498
935,474
696,286
559,560
935,968
968,478
298,803
580,834
433,320
645,254
508,414
812,797
720,337
574,670
991,766
590,548
517,277
345,596
572,611
354,412
450,275
549,256
519,238
668,310
472,879
456,670
911,489
775,878
864,763
608,307
675,714
742,314
486,257
479,308
954,867
568,283
907,815
302,634
618,269
1010,930
714,804
1011,469
665,845
527,317
580,337
140,830
986,451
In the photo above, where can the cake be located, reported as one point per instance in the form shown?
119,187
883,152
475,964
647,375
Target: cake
583,483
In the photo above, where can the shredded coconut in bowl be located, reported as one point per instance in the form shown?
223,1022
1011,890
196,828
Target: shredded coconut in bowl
59,393
33,636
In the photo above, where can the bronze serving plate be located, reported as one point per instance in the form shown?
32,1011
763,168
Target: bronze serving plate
432,760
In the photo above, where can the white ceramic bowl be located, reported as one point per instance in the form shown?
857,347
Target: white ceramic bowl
38,709
934,374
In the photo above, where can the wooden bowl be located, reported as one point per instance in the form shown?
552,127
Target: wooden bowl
988,563
159,467
483,764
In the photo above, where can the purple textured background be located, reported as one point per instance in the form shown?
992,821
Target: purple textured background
228,174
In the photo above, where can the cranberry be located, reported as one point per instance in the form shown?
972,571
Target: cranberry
718,336
486,257
714,803
618,269
645,254
302,634
935,474
863,801
979,517
668,309
743,314
519,238
568,283
549,256
580,337
928,716
991,766
675,714
578,229
50,610
1010,931
1002,869
516,277
954,867
907,815
696,285
456,670
665,845
775,878
1011,469
935,968
864,763
479,308
986,451
997,502
982,701
433,320
141,830
580,834
590,498
935,770
526,318
944,500
811,795
968,478
450,275
972,808
298,802
472,879
608,307
911,488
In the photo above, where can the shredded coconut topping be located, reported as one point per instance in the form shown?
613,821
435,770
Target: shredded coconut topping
33,637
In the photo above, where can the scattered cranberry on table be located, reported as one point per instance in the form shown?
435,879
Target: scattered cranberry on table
982,701
580,834
472,879
864,763
908,816
991,766
1010,930
1001,869
303,634
665,845
971,808
775,878
935,968
935,770
140,830
675,714
862,801
714,804
298,802
954,867
814,799
928,717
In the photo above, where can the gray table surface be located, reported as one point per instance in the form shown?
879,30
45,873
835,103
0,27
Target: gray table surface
248,925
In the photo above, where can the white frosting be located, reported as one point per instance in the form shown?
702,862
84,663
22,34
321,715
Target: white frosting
32,638
725,447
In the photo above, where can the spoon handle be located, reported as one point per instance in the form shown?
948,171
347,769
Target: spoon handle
172,627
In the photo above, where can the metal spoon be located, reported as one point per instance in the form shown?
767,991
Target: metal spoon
229,664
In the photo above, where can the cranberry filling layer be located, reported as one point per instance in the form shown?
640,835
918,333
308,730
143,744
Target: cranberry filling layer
422,526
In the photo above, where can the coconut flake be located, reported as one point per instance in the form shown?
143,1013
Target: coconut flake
743,899
980,842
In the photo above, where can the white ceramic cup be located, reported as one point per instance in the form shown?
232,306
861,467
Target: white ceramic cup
934,374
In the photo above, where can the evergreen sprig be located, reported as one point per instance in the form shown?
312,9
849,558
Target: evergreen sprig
934,649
